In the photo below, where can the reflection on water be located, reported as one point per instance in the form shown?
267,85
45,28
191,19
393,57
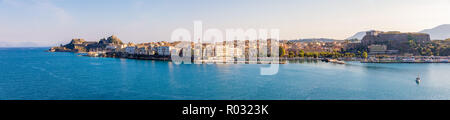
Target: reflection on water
301,61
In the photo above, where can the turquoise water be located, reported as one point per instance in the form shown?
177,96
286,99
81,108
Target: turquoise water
31,73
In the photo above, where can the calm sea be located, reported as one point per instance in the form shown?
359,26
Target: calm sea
31,73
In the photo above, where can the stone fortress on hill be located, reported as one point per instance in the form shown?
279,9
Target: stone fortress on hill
80,45
395,37
392,42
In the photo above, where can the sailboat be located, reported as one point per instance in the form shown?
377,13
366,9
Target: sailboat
418,79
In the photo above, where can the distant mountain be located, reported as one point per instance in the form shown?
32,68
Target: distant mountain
358,35
440,32
314,39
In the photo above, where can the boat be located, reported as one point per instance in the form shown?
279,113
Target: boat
334,61
340,62
429,60
409,60
418,79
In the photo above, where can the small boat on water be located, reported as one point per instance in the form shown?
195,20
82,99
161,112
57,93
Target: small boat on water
412,59
428,60
340,62
418,79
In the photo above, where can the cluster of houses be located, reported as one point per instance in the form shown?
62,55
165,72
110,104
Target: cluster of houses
313,46
114,44
159,48
218,51
165,49
376,43
204,51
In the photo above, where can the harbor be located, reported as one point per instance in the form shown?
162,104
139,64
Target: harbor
397,47
408,59
220,60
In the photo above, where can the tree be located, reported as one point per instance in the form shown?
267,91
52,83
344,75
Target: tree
429,52
291,54
282,52
316,55
308,54
301,53
365,55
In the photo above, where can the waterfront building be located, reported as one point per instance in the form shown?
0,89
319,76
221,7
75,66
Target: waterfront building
377,49
110,47
164,50
142,51
151,50
380,50
228,52
220,51
208,52
130,49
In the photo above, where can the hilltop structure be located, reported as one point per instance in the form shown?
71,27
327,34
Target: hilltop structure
396,37
393,40
80,45
113,40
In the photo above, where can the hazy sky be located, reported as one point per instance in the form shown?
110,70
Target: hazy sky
51,22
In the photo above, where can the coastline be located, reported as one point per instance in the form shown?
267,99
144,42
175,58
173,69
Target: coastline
281,59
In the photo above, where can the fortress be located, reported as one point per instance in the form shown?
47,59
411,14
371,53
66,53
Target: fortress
394,40
379,37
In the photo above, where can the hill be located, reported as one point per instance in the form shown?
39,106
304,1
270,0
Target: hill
359,35
440,32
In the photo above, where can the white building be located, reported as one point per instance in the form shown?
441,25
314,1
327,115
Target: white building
164,50
130,50
142,51
228,51
122,46
111,47
208,52
220,51
151,50
116,48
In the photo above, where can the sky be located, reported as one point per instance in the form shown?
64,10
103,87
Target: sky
54,22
